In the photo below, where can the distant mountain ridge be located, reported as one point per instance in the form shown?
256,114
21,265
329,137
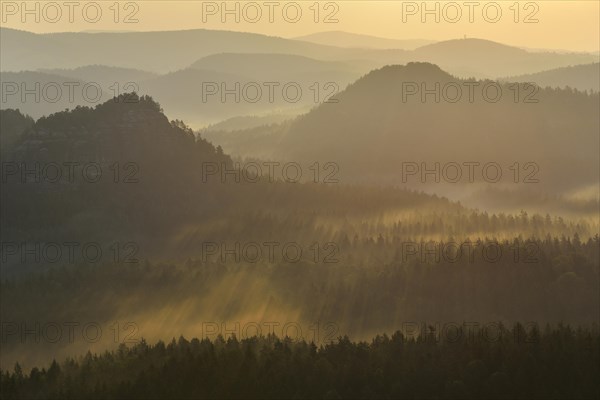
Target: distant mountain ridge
103,74
173,50
160,51
355,40
272,66
182,93
487,59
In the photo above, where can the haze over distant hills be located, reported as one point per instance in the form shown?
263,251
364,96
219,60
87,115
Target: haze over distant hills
246,122
39,101
376,120
487,59
102,74
156,52
176,76
200,96
355,40
580,77
197,94
271,67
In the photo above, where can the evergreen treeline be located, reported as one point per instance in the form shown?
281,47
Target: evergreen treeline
518,363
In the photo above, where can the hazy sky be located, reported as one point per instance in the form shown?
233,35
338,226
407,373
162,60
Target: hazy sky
571,25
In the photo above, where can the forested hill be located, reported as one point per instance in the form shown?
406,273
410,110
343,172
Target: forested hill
119,167
128,126
123,169
418,112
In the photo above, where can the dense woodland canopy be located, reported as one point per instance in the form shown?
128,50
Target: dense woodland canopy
362,294
519,363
